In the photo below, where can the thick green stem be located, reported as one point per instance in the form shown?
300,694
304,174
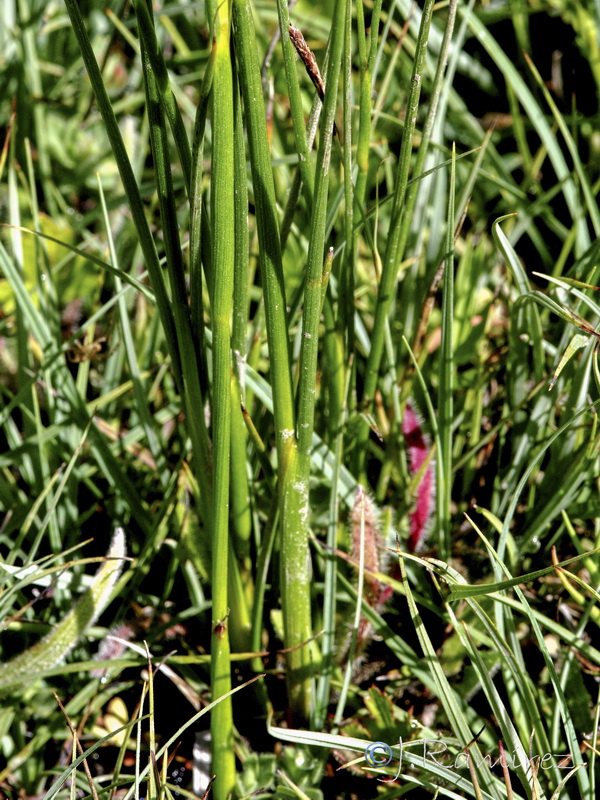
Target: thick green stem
223,219
292,511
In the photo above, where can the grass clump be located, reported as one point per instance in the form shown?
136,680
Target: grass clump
301,301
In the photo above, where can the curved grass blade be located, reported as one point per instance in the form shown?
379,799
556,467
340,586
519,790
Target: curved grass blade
25,668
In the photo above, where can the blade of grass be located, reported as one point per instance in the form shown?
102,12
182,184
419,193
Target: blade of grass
129,183
460,592
454,711
134,282
64,384
584,184
25,667
568,726
163,87
501,713
192,395
139,389
437,775
525,704
539,123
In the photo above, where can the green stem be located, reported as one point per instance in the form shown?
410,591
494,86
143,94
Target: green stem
347,279
196,220
313,296
223,219
192,396
445,398
269,250
241,516
393,251
164,91
294,560
302,145
295,576
363,145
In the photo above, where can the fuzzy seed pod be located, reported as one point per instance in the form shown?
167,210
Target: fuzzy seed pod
418,447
